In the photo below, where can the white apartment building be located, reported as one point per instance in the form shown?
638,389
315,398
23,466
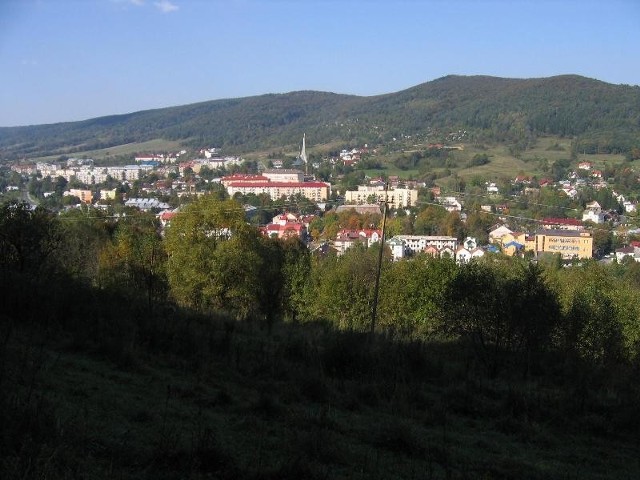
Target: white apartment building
396,198
404,245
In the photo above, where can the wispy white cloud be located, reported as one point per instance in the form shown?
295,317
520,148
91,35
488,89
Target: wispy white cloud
137,2
165,6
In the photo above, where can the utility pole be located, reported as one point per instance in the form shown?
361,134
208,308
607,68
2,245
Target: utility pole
376,288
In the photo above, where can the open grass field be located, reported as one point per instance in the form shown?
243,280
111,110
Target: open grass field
502,164
157,145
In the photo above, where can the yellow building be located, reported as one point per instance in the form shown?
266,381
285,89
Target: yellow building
513,243
108,194
85,196
570,244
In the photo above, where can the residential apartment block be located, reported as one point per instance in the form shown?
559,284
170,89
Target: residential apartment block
396,198
85,196
276,184
568,243
407,245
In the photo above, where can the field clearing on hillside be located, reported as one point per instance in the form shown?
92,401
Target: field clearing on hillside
501,164
555,148
157,145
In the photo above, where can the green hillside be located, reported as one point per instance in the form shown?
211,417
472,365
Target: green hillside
605,118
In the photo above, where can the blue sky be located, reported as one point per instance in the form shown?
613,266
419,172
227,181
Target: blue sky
66,60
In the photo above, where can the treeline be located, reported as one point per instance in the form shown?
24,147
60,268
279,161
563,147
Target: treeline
512,111
515,315
124,352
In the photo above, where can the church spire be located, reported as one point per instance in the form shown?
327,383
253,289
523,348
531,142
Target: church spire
303,154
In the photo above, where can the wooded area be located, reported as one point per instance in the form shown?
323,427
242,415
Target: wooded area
553,349
603,117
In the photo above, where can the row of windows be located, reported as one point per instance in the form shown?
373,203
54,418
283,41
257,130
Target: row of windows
559,248
563,240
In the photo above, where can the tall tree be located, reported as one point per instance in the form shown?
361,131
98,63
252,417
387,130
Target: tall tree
214,258
136,260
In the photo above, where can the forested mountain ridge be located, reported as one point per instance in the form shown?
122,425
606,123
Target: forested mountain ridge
605,117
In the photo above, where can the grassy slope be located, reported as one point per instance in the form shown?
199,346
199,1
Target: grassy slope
302,402
157,145
502,163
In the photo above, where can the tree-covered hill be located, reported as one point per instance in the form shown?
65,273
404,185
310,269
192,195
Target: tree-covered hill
605,117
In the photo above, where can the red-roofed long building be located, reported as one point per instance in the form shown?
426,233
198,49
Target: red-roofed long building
562,224
314,191
253,179
277,184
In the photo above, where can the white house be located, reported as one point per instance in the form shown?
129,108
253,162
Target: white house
470,243
451,204
585,165
492,187
629,206
593,213
347,238
463,255
629,251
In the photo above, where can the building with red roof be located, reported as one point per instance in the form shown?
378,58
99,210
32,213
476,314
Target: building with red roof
562,224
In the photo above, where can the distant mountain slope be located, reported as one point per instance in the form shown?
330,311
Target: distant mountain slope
605,116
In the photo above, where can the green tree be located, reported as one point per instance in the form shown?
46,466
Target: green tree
600,316
504,308
136,260
214,258
84,234
296,269
28,238
413,294
341,289
430,220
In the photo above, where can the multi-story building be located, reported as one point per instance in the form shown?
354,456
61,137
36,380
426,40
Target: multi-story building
568,243
314,191
406,245
108,194
396,198
593,213
277,184
85,196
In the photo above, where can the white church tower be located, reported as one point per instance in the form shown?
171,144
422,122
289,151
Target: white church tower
303,154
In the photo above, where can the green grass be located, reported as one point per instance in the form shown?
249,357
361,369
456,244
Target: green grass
156,145
545,148
283,405
502,162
